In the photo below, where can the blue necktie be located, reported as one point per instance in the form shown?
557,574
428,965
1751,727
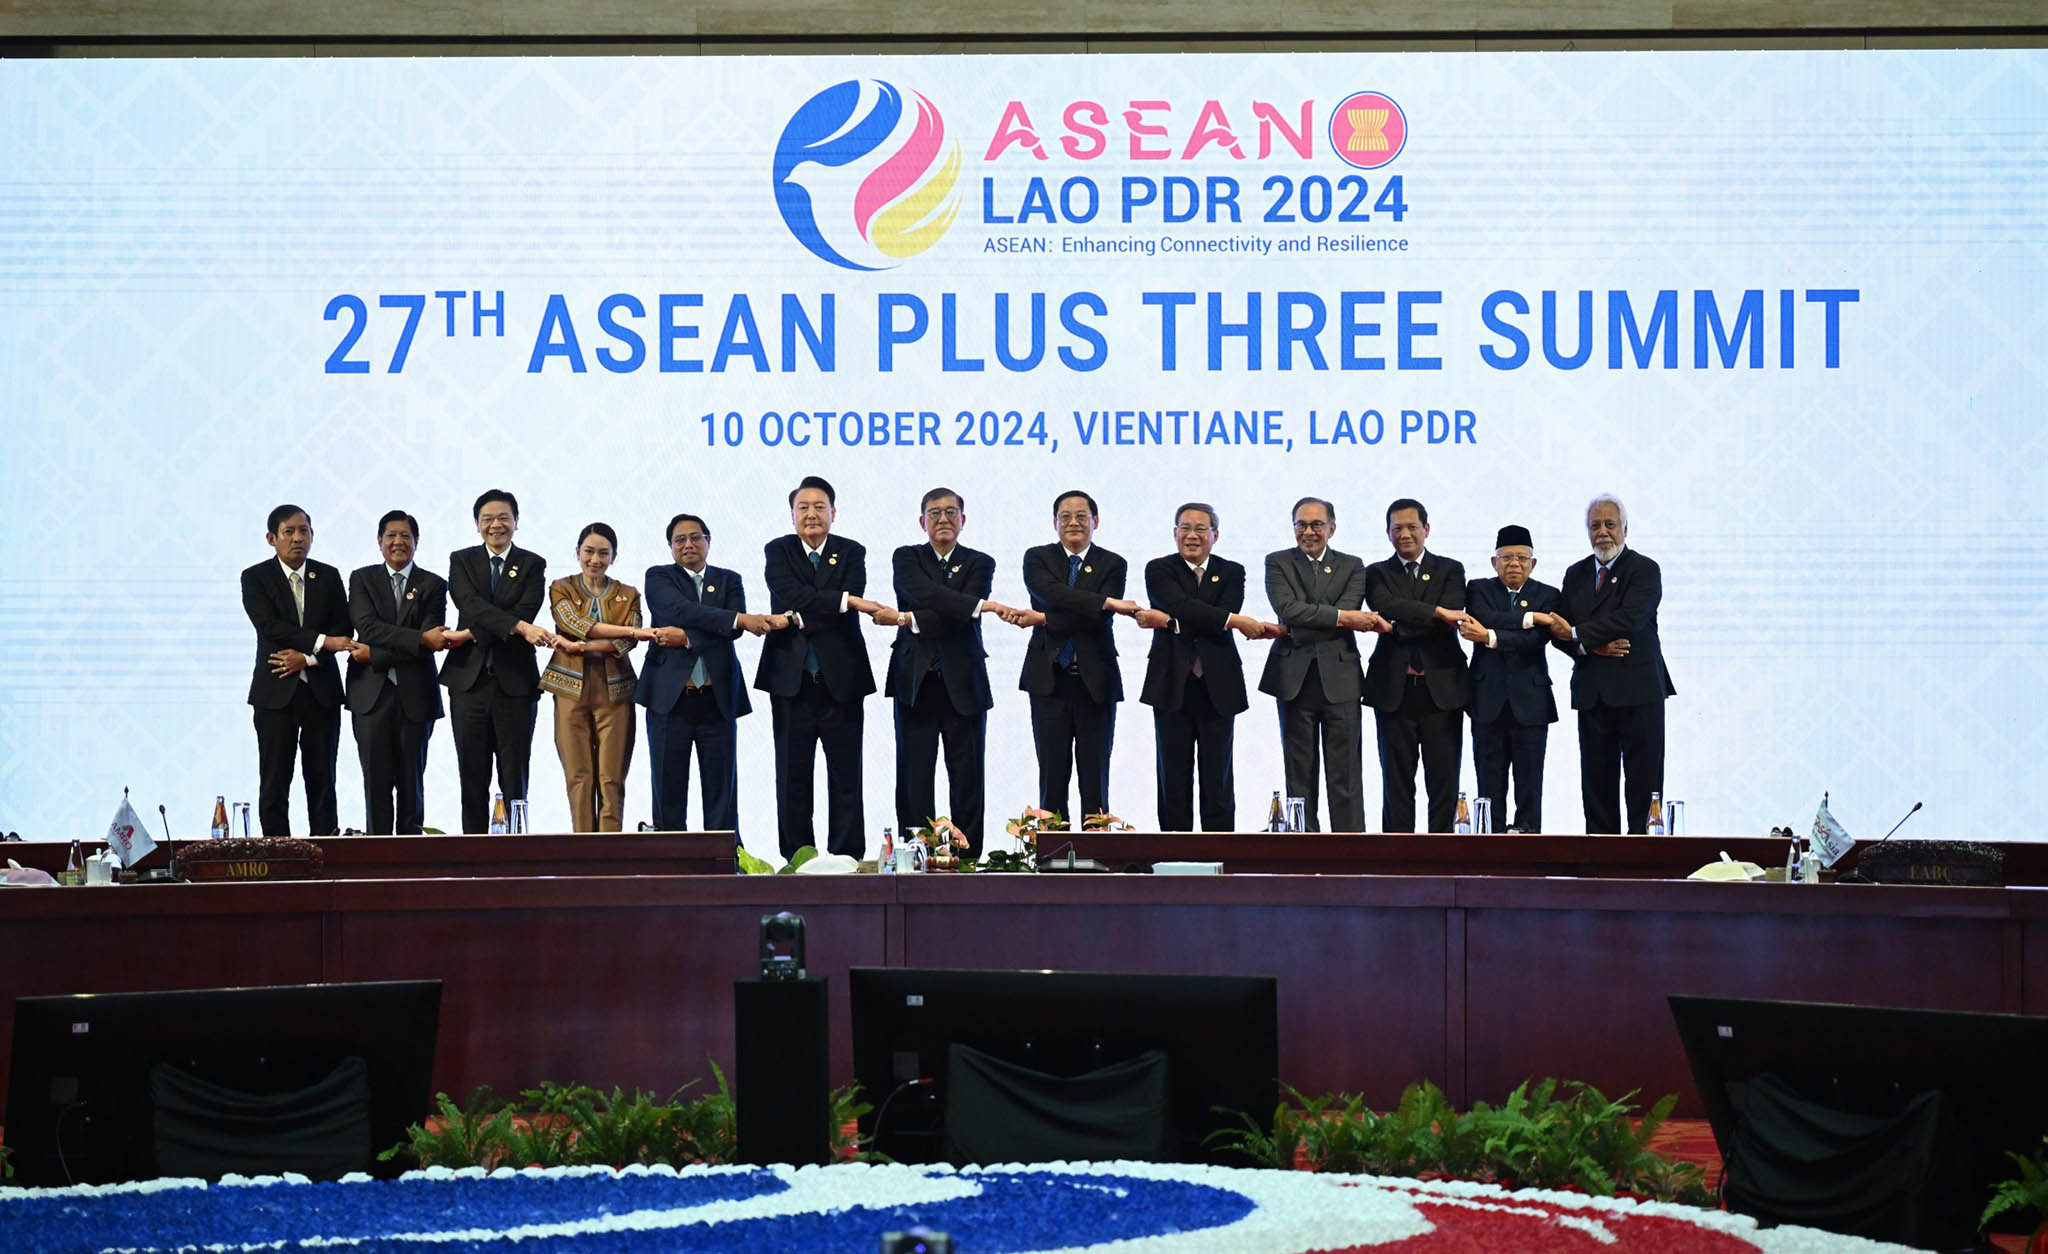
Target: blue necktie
497,570
1066,657
697,672
811,654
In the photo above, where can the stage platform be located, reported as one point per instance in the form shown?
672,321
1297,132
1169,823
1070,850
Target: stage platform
1475,981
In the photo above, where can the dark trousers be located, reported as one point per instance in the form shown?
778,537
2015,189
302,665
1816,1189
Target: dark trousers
1499,745
695,724
1178,736
1074,733
304,730
803,723
1419,730
920,727
393,751
1311,722
490,726
1612,737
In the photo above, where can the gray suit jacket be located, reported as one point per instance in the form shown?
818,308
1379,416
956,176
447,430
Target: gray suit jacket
1306,596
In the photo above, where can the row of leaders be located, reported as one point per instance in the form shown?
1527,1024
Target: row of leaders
1348,634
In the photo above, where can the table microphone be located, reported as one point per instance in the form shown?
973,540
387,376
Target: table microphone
1855,873
171,866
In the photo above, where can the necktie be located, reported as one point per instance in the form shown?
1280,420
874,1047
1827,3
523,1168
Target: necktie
810,653
697,672
398,608
1066,655
1600,579
298,582
491,650
1200,571
1414,651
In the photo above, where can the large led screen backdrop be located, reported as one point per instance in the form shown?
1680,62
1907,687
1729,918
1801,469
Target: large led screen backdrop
1788,306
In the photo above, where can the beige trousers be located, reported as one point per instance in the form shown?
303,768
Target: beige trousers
596,744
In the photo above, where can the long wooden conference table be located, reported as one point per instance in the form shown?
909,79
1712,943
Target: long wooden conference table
1473,961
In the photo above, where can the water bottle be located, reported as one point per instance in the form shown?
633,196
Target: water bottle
886,864
1276,818
220,818
1655,826
501,818
1463,824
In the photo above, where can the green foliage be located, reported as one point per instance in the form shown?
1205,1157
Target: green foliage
622,1129
1277,1148
706,1130
546,1135
803,854
1544,1135
6,1167
751,865
846,1142
572,1125
1538,1139
2027,1191
474,1134
1004,861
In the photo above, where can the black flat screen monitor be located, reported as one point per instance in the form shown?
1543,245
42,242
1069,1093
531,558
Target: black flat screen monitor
1872,1060
1219,1034
78,1098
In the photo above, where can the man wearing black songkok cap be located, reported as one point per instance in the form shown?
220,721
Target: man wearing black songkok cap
1507,620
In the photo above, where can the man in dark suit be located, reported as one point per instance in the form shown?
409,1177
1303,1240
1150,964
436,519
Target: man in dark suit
818,675
1194,681
692,686
1317,594
1070,666
1416,682
492,675
938,669
300,613
1507,619
399,611
1608,627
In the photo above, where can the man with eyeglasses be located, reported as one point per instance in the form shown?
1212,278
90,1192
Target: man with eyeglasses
1619,682
692,687
1070,666
938,670
1194,681
1507,620
492,673
1318,594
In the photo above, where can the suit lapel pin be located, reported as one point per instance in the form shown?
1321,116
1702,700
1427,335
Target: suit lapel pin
1087,570
1425,576
955,570
1525,605
1326,570
410,593
512,572
832,561
312,574
710,587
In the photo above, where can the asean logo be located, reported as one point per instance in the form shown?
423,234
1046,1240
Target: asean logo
1368,130
865,176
